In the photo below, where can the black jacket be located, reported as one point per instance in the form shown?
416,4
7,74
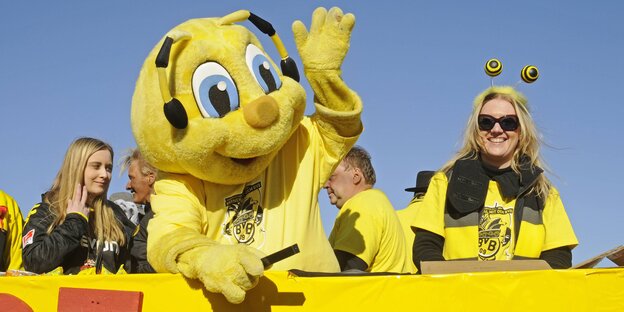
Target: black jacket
70,244
139,246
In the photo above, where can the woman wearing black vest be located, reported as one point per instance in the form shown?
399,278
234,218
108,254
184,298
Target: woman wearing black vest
491,201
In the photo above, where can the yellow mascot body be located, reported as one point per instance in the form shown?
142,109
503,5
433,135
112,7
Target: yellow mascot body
241,166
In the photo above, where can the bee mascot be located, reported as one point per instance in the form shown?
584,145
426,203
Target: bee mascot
240,165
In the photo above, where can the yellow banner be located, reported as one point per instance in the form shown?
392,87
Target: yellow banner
551,290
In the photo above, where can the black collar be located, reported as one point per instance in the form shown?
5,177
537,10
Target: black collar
469,181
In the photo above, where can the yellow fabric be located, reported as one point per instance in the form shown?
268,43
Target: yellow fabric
557,230
462,242
287,194
12,225
406,217
551,290
429,215
367,226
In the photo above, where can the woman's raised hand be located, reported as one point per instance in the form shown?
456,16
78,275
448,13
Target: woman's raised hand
78,203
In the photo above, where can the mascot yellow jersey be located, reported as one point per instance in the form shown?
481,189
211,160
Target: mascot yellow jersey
241,167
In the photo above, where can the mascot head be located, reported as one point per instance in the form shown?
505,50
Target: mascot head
210,102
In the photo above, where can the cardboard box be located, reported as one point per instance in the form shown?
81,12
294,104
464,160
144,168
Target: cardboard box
466,266
616,255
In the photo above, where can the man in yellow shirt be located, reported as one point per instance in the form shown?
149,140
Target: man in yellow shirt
367,234
406,216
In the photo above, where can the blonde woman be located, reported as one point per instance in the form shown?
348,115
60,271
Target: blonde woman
75,226
491,201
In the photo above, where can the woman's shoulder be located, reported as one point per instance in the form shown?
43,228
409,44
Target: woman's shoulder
553,192
41,207
39,214
440,177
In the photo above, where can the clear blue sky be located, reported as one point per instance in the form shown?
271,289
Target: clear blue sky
67,69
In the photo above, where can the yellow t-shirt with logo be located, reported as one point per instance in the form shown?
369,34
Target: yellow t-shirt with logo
11,224
367,226
496,226
489,233
277,209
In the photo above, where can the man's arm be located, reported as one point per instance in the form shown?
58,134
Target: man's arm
349,261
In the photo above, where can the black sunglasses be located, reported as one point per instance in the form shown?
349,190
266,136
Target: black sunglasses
507,122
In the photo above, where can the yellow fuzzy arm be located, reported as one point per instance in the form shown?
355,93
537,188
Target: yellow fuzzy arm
177,242
322,51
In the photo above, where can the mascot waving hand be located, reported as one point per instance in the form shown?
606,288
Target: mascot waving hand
241,166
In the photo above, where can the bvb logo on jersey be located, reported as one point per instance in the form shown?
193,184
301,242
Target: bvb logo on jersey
244,214
495,232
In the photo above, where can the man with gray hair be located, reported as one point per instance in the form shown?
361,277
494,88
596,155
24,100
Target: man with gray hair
367,234
141,176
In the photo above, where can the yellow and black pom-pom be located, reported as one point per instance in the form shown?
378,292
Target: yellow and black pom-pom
529,73
493,67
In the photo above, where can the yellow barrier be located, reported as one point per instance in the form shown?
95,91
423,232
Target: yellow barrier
551,290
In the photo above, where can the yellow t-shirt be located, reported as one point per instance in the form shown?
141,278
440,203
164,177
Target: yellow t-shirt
406,217
496,226
11,224
552,230
367,226
277,209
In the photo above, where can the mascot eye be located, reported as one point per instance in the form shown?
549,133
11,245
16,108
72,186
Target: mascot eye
214,90
262,70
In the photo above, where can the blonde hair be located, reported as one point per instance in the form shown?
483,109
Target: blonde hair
528,138
103,221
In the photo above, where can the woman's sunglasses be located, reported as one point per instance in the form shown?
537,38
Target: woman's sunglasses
507,122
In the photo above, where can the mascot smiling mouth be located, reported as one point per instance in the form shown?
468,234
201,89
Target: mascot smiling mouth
243,161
